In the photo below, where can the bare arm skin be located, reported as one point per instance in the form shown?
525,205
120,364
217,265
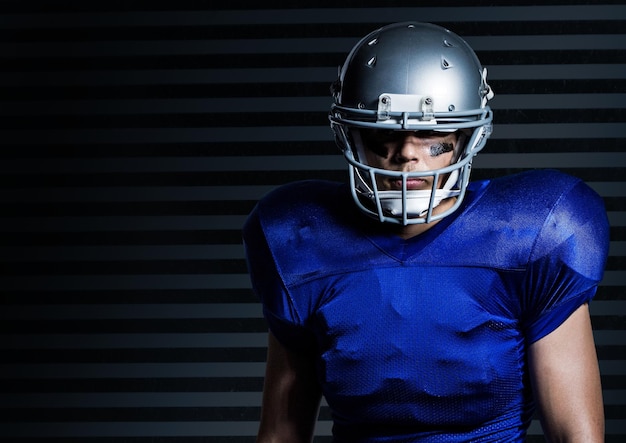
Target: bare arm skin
291,396
566,381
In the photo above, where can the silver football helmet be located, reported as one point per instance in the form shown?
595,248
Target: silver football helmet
411,77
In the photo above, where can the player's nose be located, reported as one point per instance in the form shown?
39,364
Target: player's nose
408,149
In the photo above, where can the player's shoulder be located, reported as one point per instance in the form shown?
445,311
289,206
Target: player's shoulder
313,220
509,218
548,181
535,193
314,204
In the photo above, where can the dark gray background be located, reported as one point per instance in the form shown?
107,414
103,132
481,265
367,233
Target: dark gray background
136,136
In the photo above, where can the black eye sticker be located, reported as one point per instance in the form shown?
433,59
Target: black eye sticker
440,148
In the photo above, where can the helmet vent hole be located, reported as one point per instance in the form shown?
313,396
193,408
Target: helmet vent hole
371,62
373,42
445,64
447,44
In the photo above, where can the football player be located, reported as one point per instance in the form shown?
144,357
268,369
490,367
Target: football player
424,307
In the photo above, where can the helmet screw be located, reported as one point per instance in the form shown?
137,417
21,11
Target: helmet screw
428,101
361,105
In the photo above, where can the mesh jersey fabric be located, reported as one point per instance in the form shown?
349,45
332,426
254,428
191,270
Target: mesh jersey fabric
424,340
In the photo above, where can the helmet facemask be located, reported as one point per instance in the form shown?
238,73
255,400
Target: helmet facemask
406,203
409,206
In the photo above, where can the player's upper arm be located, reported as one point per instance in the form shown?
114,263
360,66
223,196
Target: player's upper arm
566,382
291,396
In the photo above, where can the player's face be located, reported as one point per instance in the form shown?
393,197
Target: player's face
408,151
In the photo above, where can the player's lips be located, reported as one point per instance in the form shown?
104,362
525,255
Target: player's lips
412,184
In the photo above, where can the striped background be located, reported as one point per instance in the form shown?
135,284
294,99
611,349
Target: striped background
136,136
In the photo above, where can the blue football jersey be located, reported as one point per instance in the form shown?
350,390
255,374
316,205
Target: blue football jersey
424,340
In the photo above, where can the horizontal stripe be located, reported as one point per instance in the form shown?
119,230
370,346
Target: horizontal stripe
129,208
125,282
125,253
246,120
146,223
289,88
45,49
288,75
186,62
165,370
316,16
434,14
86,265
158,355
273,105
135,370
186,429
178,281
614,278
263,31
296,162
186,193
215,178
609,338
87,208
187,311
113,415
147,193
200,384
174,311
614,396
558,101
177,325
161,340
603,307
237,149
158,311
617,248
130,429
188,340
123,223
608,189
171,384
124,231
547,160
281,134
617,218
133,400
169,400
